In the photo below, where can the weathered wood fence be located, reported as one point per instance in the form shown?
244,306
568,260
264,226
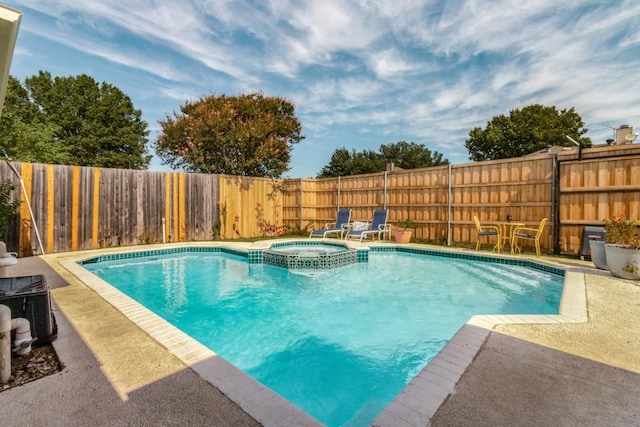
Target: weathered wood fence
76,208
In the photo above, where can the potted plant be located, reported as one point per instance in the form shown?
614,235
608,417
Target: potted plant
403,230
622,248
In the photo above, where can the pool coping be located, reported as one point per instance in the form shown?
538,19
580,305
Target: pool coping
414,405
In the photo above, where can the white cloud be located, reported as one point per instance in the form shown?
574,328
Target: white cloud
426,70
390,63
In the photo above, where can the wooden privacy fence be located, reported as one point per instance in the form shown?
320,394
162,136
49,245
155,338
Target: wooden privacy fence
572,189
77,208
442,200
604,184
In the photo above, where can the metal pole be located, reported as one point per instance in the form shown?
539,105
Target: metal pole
555,238
338,192
449,208
26,198
385,189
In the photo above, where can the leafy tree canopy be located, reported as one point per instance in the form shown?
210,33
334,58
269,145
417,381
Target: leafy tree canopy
247,135
525,131
72,120
405,155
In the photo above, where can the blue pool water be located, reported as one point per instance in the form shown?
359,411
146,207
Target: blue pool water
309,250
341,343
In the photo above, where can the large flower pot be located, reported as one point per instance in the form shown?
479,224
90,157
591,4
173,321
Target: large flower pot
598,254
402,235
623,262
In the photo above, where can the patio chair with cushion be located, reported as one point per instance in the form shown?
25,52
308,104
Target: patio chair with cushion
487,231
377,228
338,228
528,234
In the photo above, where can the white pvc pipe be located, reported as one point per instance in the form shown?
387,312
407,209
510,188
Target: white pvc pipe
5,344
22,342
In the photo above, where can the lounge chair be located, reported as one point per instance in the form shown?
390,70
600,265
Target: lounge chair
339,227
528,234
378,226
487,230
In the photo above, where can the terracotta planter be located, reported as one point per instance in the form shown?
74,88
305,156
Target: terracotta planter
598,254
623,262
402,235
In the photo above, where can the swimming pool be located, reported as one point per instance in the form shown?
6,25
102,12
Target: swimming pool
318,332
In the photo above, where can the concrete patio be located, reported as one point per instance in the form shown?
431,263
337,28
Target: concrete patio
585,374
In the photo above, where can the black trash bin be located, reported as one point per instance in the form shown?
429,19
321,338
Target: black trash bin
590,233
28,297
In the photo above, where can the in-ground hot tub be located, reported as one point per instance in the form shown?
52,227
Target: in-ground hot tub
312,254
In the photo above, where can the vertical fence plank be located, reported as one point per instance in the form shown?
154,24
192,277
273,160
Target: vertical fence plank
174,213
75,209
182,225
26,173
50,212
167,206
95,208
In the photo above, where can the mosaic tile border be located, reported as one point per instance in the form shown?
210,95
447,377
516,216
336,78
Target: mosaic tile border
256,256
318,262
159,252
361,255
473,257
325,261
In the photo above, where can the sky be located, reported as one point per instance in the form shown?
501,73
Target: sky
361,73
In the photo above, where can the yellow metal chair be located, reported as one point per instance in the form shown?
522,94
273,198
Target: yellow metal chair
528,234
487,230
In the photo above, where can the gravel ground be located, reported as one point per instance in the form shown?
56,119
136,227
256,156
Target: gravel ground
39,363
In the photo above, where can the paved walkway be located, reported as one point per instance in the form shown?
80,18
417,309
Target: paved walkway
115,375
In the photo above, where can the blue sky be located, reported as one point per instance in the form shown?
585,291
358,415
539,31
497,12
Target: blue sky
361,73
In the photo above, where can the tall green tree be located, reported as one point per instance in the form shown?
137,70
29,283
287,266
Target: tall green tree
73,120
246,135
344,162
525,131
409,155
405,155
24,131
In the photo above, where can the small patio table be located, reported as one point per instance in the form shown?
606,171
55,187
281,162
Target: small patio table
506,233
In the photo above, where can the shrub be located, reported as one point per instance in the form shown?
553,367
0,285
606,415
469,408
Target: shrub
7,208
